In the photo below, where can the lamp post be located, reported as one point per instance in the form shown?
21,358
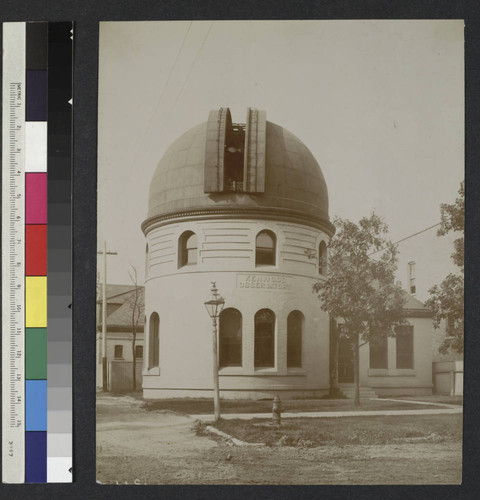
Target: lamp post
214,307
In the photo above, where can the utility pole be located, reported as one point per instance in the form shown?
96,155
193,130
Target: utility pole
104,316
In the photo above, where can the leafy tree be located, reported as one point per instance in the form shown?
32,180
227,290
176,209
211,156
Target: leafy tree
361,290
447,299
446,302
453,219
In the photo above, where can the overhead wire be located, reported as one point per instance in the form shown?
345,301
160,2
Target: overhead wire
187,79
159,100
407,237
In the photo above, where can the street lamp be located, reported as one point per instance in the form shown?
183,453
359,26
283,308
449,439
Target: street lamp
214,307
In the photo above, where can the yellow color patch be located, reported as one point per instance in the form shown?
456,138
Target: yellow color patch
35,301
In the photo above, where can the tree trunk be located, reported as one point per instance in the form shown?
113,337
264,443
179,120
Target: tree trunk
356,369
134,375
334,390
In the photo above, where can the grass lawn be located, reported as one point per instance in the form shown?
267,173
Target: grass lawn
203,405
312,432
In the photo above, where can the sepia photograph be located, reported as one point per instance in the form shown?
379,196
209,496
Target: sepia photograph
280,252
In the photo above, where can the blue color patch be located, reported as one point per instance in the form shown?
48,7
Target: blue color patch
36,405
35,457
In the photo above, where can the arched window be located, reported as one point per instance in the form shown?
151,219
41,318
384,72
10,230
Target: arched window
230,338
146,261
187,249
294,339
264,339
322,258
265,249
154,341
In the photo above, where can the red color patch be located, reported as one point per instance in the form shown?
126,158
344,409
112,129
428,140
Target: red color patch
35,198
36,250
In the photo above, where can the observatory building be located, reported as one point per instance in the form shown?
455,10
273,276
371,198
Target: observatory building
244,205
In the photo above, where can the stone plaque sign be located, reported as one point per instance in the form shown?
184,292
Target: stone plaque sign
264,281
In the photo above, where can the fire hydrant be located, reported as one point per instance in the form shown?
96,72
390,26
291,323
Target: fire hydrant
276,410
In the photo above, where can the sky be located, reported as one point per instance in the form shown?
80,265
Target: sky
379,103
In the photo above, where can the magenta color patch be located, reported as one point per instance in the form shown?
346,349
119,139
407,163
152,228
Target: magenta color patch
36,198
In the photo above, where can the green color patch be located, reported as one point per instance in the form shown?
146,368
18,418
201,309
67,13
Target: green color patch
36,353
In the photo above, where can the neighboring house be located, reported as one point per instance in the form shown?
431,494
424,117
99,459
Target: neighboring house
400,365
424,261
119,338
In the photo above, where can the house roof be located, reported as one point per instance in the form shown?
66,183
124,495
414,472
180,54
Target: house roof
414,307
118,292
121,318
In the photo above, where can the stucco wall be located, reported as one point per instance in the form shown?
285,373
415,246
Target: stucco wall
448,377
393,381
226,254
113,339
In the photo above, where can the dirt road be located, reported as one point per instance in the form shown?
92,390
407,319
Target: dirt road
157,447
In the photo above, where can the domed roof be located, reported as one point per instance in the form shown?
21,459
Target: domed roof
293,183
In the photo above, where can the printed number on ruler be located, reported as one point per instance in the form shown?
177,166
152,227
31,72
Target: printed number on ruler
16,252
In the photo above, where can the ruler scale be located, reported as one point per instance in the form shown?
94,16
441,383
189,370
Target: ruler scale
36,332
13,256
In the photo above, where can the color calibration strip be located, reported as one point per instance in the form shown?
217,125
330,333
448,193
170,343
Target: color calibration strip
37,224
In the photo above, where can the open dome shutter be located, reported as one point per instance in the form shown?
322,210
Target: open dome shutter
255,144
218,123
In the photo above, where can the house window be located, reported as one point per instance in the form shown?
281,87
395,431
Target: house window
404,337
379,353
139,351
322,258
118,353
154,346
294,339
187,249
265,249
411,278
264,339
230,338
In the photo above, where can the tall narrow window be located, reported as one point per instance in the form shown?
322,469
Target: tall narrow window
265,249
404,338
264,339
146,261
187,249
379,353
153,346
322,258
118,352
411,278
139,351
230,338
294,339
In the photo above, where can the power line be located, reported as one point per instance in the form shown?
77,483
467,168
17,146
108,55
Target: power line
408,237
187,79
167,81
